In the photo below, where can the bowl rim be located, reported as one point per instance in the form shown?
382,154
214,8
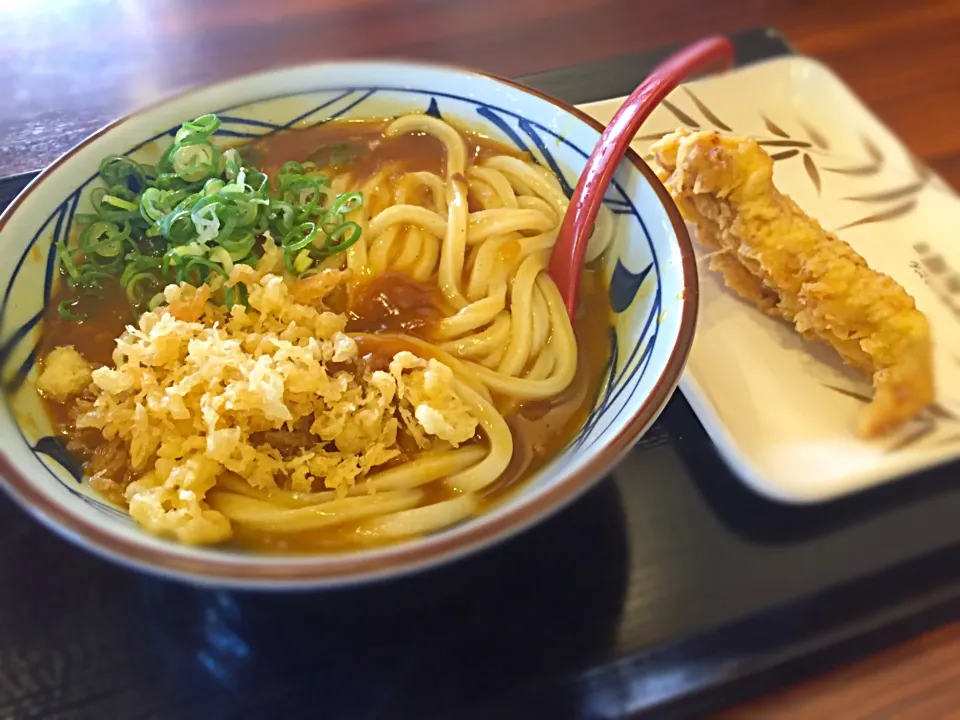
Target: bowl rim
356,568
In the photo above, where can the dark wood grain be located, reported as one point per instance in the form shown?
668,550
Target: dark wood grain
68,67
919,679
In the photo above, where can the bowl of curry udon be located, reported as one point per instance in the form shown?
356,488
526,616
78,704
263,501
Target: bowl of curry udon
296,329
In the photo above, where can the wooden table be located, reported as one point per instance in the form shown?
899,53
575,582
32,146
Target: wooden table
68,67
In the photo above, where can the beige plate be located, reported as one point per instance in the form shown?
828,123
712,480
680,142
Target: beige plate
781,410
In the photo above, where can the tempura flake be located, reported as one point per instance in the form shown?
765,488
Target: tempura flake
272,393
65,374
775,256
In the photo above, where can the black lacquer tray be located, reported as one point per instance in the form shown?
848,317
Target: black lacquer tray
669,590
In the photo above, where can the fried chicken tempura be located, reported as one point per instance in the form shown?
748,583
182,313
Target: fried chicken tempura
772,254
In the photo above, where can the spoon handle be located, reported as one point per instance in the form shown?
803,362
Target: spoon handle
566,260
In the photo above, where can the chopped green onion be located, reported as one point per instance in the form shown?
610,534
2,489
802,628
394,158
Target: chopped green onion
238,245
119,202
133,286
66,260
202,267
187,201
231,293
233,165
283,216
291,167
177,227
64,310
222,257
150,205
303,192
90,278
299,237
213,186
103,238
107,210
169,181
197,131
198,213
138,264
347,203
257,180
302,262
195,163
191,250
342,238
288,262
119,170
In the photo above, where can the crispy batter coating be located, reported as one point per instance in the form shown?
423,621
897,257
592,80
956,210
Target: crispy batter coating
272,394
65,374
775,256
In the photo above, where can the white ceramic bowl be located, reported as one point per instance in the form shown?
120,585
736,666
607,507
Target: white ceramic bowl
650,268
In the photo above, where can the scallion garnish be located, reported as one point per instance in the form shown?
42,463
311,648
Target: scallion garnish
196,214
64,310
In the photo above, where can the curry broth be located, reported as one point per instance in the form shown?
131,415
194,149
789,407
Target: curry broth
360,147
391,303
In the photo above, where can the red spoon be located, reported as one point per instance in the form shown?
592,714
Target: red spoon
566,261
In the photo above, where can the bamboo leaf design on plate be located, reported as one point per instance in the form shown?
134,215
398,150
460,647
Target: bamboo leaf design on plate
774,128
871,169
929,422
784,155
947,440
653,136
849,393
786,143
681,115
912,438
888,195
812,171
890,214
818,139
872,150
707,112
939,411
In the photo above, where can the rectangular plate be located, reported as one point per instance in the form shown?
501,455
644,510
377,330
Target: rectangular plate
782,410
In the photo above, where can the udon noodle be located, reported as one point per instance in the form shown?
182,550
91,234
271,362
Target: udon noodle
449,269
